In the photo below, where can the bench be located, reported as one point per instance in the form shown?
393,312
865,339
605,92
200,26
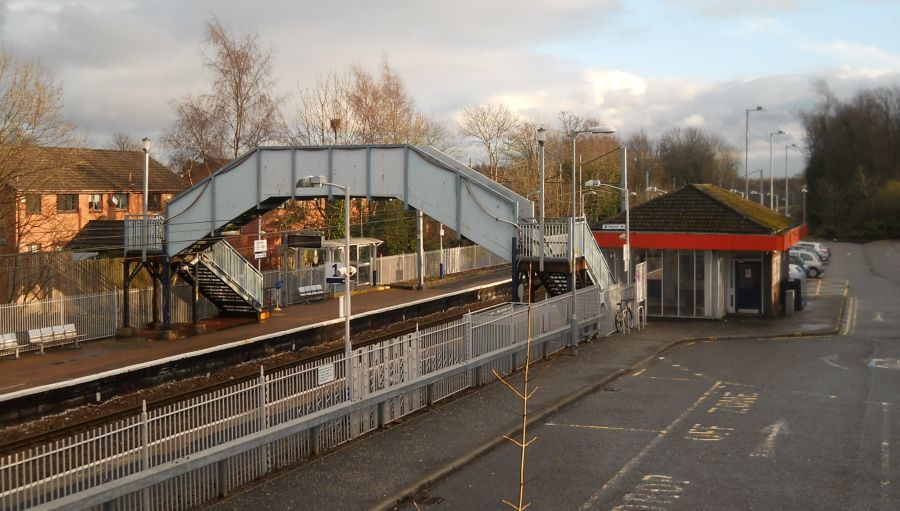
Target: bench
9,344
53,336
310,293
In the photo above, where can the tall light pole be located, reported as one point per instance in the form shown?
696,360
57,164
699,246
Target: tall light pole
144,228
760,192
316,181
771,166
573,326
594,183
786,190
747,147
804,191
541,140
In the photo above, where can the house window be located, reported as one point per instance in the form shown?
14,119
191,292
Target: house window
154,202
95,202
33,204
120,201
66,202
33,247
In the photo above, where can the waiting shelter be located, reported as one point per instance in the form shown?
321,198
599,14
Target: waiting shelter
709,252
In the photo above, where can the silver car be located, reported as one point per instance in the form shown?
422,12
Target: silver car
814,265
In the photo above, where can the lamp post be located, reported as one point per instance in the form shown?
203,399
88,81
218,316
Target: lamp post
787,194
317,181
573,339
594,183
804,190
144,229
747,147
541,140
771,164
760,192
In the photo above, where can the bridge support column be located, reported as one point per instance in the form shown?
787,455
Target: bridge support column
167,333
420,251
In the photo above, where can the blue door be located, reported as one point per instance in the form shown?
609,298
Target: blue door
748,286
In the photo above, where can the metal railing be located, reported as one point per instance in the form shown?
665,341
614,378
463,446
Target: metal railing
586,245
556,238
185,454
237,269
140,232
96,315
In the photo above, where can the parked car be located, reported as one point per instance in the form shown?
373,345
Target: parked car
823,251
794,259
809,251
814,265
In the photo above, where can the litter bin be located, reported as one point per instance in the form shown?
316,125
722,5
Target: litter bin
797,285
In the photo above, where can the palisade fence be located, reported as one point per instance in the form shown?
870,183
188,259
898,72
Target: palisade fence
185,454
97,315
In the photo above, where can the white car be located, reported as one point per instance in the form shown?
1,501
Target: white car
823,251
796,271
814,266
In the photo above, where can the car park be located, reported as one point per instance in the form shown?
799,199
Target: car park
823,251
814,265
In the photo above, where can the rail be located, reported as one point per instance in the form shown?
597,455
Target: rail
188,453
586,246
556,238
141,232
237,269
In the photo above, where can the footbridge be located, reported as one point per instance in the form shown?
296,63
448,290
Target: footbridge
424,178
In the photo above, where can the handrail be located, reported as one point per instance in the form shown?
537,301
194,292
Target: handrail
238,269
587,246
140,232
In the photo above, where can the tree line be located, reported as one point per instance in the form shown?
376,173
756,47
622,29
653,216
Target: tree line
853,171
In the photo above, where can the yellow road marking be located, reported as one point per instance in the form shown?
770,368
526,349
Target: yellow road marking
639,372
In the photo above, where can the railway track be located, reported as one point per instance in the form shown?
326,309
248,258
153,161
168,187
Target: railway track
11,442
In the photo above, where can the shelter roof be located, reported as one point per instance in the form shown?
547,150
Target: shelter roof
704,208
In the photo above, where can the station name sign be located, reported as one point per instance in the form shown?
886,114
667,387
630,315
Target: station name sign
613,227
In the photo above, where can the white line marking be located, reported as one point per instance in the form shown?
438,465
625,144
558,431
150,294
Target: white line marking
628,466
608,428
830,360
878,317
766,448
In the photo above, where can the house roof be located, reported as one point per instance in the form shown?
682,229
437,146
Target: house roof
62,169
704,208
99,235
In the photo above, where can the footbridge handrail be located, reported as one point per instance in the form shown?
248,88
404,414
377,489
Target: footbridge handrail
239,270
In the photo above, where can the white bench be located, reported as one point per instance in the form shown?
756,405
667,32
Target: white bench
310,293
9,344
53,335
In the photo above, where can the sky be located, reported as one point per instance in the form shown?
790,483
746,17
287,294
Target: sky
647,65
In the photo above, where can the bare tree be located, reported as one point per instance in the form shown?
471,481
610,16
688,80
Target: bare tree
492,125
30,119
240,112
120,141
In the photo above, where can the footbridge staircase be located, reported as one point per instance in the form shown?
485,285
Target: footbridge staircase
424,178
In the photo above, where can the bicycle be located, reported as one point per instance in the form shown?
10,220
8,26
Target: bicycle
624,317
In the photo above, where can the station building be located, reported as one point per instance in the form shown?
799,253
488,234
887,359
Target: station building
709,252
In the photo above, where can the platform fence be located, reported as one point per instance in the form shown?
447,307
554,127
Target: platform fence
186,454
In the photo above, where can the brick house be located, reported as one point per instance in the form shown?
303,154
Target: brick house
49,199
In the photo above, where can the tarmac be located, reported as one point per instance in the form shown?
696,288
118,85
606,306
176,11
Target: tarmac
393,465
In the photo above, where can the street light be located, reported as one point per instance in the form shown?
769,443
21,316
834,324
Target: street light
144,229
318,181
786,191
804,190
747,147
594,183
574,323
541,139
771,164
653,189
760,192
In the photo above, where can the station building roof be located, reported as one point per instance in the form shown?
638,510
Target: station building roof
702,217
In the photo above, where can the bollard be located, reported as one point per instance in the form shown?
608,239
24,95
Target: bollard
789,302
